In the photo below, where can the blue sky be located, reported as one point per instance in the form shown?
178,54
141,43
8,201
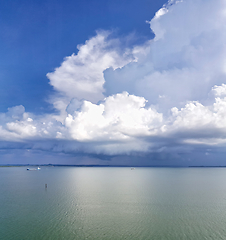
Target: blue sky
113,82
37,35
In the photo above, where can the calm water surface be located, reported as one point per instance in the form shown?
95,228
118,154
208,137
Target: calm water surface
112,203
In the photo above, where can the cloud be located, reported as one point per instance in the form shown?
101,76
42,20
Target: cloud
219,90
80,76
184,60
162,99
122,124
119,117
114,124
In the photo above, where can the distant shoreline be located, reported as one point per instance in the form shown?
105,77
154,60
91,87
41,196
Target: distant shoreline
70,165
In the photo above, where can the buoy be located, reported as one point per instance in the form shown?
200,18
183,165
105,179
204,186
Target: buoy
46,185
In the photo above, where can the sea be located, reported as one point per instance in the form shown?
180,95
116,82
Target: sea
112,203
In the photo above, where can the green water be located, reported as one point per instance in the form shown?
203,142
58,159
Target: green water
113,203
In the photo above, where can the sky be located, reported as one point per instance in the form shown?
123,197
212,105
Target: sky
130,83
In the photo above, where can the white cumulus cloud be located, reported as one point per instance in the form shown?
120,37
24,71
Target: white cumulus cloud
81,75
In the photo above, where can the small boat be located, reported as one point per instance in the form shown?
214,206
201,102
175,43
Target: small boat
33,169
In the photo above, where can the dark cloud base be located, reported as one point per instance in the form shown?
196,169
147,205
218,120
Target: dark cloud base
202,156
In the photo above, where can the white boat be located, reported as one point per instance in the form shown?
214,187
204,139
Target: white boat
33,169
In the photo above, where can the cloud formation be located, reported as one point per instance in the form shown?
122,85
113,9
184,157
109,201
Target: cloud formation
166,95
184,60
81,76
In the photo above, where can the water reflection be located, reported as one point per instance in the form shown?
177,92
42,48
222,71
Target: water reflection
113,203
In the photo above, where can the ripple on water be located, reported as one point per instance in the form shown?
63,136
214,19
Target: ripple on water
113,203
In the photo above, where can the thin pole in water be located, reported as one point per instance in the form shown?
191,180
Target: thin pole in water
46,185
